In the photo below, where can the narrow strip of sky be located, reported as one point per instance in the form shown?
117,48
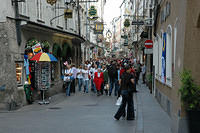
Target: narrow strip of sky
111,10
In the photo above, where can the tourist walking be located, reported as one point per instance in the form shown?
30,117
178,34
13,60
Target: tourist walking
80,77
86,78
67,79
98,80
126,85
112,72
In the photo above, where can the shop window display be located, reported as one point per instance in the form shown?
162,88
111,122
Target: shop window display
19,73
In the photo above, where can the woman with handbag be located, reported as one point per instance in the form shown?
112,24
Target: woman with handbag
67,79
126,86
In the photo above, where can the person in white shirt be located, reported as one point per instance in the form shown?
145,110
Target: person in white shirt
86,78
80,77
93,69
67,79
73,78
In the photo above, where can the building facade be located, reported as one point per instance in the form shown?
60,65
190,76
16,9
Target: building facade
176,33
24,24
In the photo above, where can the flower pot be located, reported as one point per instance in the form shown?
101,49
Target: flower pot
193,121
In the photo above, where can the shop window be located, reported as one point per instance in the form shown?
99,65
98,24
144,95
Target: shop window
19,73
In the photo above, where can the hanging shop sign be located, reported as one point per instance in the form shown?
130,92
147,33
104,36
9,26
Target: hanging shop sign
37,48
165,13
92,13
126,42
98,28
68,13
51,2
126,23
108,34
148,44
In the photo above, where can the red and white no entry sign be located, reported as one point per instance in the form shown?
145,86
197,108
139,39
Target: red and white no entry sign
148,44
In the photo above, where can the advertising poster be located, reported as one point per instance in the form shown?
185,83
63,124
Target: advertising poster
163,74
37,49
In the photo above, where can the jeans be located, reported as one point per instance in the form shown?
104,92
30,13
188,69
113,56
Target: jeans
72,87
80,83
68,84
93,86
86,86
127,98
112,84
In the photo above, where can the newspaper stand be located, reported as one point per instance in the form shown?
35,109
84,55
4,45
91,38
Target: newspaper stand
42,73
42,79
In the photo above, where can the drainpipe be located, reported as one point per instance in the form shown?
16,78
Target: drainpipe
79,19
18,27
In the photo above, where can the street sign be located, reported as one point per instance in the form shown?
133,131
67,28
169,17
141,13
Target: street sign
137,22
148,51
148,44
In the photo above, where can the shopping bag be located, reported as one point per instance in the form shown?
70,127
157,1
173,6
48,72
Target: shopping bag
119,101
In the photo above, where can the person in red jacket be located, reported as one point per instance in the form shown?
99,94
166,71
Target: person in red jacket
98,80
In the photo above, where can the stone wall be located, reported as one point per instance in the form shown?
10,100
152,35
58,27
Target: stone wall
11,96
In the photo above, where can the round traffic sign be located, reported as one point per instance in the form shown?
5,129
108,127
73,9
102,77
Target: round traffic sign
148,44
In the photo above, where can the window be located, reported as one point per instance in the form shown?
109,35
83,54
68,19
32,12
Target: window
156,55
39,9
19,73
160,54
175,40
23,8
169,57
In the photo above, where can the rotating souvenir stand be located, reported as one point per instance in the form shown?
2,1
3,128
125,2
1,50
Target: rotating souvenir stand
42,79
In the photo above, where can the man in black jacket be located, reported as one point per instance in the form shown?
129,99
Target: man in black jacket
112,73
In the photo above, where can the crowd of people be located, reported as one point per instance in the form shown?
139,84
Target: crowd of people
116,77
102,76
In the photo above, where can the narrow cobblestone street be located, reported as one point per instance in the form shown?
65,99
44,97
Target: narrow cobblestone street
86,113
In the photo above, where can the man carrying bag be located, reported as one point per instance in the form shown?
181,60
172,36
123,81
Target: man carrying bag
126,86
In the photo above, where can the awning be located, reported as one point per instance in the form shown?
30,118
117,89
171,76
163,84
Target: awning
55,31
